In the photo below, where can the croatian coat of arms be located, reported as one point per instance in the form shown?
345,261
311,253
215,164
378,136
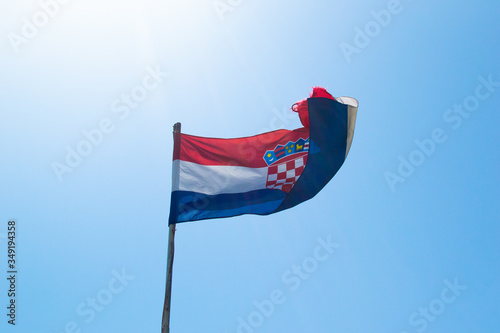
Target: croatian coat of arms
285,164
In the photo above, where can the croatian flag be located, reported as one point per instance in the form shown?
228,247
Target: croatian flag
265,173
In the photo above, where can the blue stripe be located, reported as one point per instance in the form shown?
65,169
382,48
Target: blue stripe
328,136
197,206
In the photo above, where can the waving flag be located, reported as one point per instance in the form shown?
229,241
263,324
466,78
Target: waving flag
265,173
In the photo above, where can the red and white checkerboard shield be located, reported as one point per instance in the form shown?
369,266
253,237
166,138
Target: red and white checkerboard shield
284,173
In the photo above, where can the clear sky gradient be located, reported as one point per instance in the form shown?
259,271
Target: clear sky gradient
90,91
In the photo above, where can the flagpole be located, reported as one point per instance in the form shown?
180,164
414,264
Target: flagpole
165,325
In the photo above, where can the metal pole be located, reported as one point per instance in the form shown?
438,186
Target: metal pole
165,325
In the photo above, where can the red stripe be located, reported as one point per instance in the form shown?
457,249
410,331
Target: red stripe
247,151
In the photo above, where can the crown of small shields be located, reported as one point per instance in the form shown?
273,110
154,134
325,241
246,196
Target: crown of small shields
272,156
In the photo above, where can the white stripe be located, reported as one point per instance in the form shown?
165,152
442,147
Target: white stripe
218,179
352,111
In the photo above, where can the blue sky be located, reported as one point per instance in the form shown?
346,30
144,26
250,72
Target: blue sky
413,213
